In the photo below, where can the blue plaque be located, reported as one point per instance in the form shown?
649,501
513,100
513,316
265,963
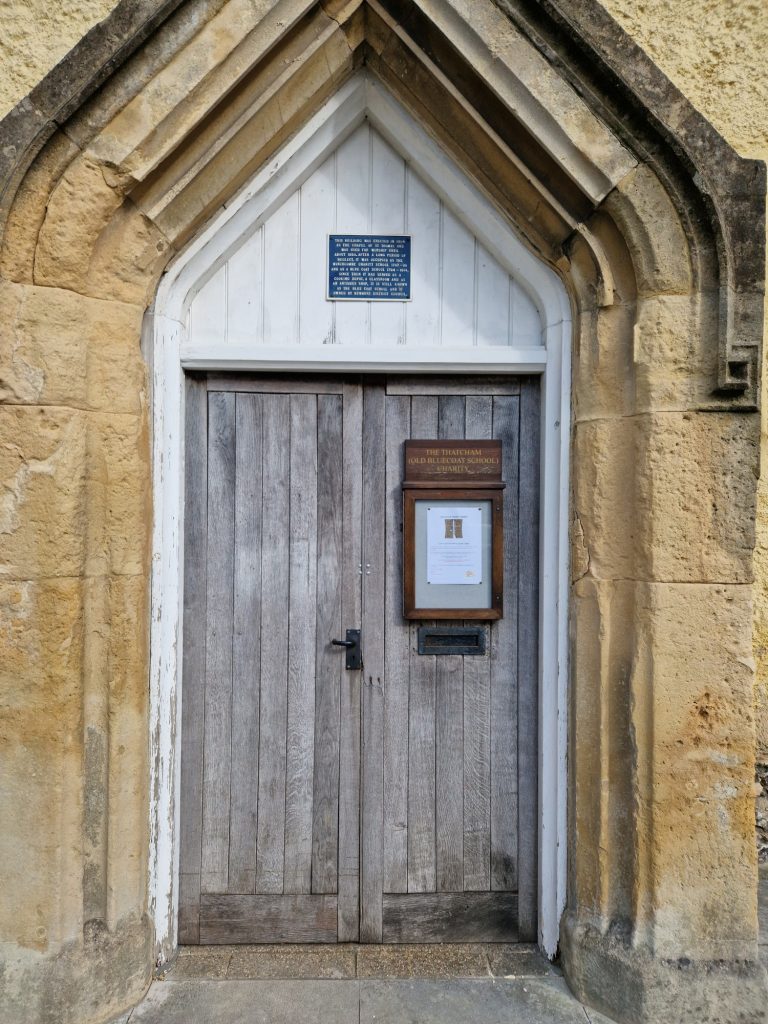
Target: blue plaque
369,267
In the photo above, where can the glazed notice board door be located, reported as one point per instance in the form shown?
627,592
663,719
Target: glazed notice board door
320,803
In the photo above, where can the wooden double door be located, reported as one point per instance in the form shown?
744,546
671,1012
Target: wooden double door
319,804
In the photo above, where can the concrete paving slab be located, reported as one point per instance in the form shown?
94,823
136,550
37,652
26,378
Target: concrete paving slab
467,1001
204,1001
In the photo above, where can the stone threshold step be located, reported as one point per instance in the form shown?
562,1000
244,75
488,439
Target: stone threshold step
351,961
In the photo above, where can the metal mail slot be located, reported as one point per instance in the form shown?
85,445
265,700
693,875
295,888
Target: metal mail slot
451,640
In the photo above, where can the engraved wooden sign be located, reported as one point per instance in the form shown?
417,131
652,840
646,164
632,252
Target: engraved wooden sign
453,547
455,463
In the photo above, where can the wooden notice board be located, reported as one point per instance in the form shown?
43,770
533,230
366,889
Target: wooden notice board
453,530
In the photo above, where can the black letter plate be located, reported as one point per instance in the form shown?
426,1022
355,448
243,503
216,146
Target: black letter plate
451,640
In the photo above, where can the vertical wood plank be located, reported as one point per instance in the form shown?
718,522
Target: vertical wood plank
477,726
246,646
281,274
194,633
421,722
504,654
330,490
374,569
274,643
351,604
353,217
449,721
245,293
388,218
318,207
208,312
300,733
492,300
218,660
527,328
397,632
422,314
528,618
458,262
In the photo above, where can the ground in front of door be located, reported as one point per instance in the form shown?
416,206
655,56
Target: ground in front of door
348,984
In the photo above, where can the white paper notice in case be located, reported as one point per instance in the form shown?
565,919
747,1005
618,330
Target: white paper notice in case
454,544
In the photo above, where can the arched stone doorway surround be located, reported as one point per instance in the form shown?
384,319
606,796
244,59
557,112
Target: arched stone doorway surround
650,221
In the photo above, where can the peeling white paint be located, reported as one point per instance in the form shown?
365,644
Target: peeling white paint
172,352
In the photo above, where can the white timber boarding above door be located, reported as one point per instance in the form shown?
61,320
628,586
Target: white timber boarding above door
249,293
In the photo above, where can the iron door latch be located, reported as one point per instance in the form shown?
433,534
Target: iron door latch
353,647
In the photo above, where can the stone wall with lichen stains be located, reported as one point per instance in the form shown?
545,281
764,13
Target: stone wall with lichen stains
663,702
714,52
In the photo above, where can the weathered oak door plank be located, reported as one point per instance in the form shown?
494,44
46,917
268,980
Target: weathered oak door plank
351,617
528,639
228,918
274,643
193,663
246,646
450,917
421,720
395,862
218,690
374,681
330,555
504,658
300,732
449,720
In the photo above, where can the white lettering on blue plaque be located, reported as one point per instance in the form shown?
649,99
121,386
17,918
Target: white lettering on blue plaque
369,267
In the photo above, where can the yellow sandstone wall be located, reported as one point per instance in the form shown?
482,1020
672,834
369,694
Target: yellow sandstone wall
69,358
713,50
35,35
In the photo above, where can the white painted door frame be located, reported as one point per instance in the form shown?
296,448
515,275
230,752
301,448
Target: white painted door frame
170,354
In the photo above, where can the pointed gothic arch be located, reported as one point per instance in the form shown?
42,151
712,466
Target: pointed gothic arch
576,143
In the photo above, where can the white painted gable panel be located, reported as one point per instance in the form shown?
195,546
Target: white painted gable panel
271,290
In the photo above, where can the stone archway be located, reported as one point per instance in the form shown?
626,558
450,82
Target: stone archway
647,215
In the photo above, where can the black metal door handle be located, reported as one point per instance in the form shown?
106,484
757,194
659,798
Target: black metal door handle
354,659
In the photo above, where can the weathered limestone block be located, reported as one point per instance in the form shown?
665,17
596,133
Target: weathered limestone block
128,773
697,489
36,35
128,258
602,752
43,506
25,218
661,922
605,507
694,671
667,496
78,210
86,982
588,150
760,634
178,85
187,202
675,351
652,230
41,637
67,966
119,473
61,348
603,373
